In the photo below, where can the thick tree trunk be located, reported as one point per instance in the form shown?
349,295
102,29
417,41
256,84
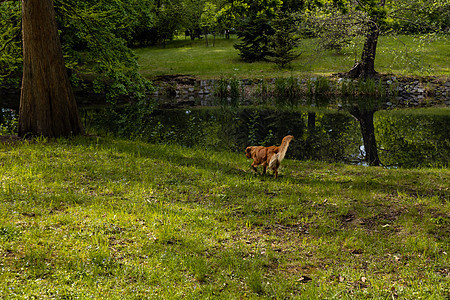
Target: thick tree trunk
366,67
47,102
365,118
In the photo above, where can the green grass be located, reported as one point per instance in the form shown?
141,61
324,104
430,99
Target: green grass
402,55
108,219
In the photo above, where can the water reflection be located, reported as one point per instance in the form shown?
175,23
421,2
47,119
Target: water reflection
405,138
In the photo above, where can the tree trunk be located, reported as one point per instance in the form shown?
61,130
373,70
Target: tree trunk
365,118
366,67
47,102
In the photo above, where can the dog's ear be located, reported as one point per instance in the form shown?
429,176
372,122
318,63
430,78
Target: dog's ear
248,151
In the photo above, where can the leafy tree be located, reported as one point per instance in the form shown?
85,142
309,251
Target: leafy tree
226,17
376,14
419,16
94,41
372,16
334,28
167,20
208,20
192,11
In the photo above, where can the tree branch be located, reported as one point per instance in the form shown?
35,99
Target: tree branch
9,42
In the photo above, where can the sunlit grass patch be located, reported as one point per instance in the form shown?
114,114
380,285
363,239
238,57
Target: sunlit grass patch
417,55
104,218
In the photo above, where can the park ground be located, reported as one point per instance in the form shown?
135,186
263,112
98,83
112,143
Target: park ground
411,56
101,218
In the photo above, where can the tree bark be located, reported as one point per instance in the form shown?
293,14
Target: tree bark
366,67
365,118
47,102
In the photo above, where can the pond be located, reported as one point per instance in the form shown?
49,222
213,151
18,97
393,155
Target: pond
404,137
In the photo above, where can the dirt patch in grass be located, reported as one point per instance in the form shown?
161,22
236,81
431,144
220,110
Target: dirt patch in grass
384,218
9,139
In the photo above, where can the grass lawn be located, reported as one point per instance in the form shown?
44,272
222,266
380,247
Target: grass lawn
401,55
108,219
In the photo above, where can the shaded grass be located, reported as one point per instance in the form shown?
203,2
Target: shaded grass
402,55
102,218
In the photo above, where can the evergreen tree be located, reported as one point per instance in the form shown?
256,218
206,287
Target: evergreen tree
283,44
254,28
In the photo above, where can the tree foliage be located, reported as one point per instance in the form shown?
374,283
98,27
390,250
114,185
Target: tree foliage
95,36
208,19
254,29
10,42
283,44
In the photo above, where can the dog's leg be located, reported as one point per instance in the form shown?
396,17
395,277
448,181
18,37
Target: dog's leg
264,170
255,168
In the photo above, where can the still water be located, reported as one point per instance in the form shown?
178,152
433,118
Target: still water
404,137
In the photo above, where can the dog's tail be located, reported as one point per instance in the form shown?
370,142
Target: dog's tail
279,156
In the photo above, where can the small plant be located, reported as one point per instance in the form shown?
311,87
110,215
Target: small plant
221,88
369,87
287,90
252,129
255,282
263,92
170,90
348,88
199,267
322,86
235,91
8,122
229,91
8,233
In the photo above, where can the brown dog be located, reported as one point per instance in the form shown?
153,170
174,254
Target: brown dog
268,156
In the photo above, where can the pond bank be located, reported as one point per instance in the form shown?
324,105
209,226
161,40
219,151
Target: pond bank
184,90
406,91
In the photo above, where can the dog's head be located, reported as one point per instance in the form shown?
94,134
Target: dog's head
248,152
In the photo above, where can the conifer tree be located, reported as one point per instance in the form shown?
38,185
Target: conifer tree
283,44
